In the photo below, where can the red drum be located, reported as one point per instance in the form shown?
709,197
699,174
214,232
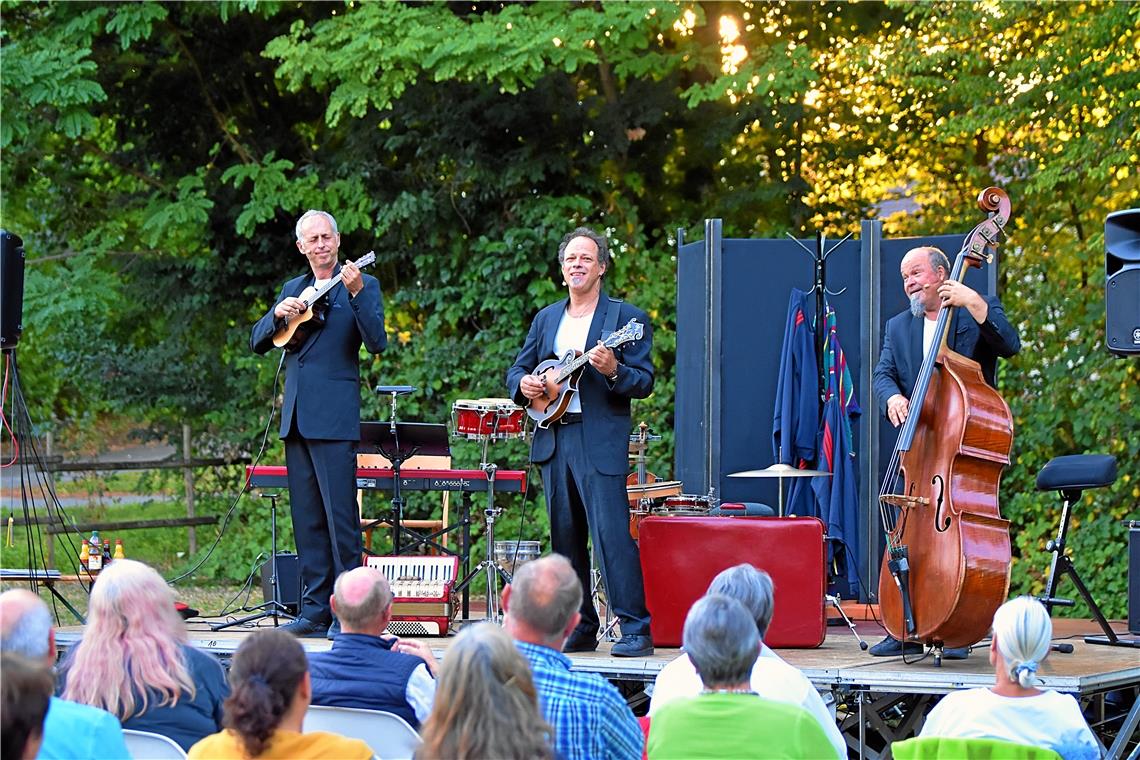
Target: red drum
685,504
495,418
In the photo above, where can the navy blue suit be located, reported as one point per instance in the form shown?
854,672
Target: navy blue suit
584,466
320,424
901,357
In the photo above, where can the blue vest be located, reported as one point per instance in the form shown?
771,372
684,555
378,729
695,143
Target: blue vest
362,671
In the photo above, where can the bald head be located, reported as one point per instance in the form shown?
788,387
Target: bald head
25,625
362,600
544,596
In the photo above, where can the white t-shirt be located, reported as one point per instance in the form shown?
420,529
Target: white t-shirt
772,678
928,326
572,332
1050,720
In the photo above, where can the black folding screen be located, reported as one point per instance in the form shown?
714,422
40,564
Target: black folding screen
732,303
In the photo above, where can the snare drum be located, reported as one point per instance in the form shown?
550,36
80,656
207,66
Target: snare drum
683,505
510,555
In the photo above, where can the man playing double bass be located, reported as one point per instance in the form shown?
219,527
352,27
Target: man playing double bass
978,330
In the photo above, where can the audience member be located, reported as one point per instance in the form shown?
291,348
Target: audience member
265,712
728,718
1015,709
486,705
71,729
590,717
772,678
25,692
365,670
134,660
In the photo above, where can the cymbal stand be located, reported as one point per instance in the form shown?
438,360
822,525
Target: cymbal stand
601,598
488,566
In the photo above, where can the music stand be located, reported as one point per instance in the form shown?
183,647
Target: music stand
397,442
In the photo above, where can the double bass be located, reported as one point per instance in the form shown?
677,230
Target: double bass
946,569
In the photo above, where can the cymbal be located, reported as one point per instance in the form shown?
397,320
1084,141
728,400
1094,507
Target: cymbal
780,471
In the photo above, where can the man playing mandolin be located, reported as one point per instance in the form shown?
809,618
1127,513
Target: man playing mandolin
584,452
320,415
979,330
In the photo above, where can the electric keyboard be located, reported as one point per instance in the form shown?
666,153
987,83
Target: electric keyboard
381,479
421,593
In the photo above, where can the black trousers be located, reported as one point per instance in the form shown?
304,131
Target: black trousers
326,523
583,502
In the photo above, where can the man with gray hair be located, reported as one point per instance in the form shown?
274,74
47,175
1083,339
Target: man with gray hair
772,677
590,717
728,718
320,413
978,330
70,729
364,669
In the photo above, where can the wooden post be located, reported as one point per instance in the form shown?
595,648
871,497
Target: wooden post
188,475
50,504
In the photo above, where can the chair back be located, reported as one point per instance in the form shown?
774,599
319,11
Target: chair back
389,736
943,748
144,745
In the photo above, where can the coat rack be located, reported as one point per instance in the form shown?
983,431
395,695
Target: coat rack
819,287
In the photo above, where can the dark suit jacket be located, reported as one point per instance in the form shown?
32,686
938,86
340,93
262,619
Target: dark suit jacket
901,357
605,406
322,379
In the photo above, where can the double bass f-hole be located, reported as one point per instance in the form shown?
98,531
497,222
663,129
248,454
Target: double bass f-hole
941,520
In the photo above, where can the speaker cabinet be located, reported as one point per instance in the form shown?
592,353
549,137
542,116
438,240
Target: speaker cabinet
288,582
11,289
1122,282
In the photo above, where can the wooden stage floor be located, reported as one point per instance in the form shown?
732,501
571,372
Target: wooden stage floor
877,699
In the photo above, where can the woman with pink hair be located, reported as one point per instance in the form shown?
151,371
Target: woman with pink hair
134,660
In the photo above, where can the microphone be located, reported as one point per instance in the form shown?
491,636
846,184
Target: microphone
1062,648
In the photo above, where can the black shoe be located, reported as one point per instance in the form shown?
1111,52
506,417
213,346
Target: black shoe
957,653
892,647
633,645
303,628
581,640
334,630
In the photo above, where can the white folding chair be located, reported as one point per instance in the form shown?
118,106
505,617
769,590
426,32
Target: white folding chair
389,736
144,745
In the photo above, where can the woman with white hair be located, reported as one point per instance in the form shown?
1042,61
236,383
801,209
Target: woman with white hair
1014,709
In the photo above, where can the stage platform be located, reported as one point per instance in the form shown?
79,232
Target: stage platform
877,700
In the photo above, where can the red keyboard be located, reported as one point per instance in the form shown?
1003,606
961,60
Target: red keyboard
380,479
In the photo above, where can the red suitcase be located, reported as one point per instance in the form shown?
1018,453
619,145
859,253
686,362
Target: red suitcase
681,555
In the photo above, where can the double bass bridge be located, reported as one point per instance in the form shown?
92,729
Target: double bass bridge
904,502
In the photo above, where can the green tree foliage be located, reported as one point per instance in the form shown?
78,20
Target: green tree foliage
156,155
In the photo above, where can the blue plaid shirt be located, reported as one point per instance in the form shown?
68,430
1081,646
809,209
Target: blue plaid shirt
590,717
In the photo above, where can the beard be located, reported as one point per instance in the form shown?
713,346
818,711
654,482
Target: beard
916,307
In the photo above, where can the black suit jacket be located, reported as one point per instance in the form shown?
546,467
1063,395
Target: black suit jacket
901,357
322,379
605,405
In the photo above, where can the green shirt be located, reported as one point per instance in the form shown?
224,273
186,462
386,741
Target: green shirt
736,725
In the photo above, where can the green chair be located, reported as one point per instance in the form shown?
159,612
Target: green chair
941,748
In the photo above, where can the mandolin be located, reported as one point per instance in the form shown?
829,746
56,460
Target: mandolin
298,329
560,376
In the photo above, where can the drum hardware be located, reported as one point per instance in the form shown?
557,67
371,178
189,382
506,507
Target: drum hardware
780,471
511,554
493,571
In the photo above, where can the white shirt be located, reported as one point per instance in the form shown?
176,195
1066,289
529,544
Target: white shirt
928,326
772,678
420,692
571,335
1050,720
